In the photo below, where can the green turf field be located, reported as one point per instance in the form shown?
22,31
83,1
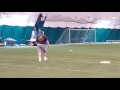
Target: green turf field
82,62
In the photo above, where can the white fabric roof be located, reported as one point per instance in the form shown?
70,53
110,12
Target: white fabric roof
83,19
18,18
64,19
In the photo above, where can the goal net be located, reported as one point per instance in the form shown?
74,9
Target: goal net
70,36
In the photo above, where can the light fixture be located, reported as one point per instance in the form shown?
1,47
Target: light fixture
113,17
60,14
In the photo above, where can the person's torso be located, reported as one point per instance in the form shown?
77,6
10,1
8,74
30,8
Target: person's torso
42,39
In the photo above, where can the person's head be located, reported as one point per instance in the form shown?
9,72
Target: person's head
42,32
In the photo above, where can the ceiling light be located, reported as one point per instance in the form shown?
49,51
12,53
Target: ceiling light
113,17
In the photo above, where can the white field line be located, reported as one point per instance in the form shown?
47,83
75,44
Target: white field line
47,68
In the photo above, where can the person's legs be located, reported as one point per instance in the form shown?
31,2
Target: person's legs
39,52
44,49
39,56
45,57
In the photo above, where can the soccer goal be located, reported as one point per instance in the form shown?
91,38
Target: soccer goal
70,36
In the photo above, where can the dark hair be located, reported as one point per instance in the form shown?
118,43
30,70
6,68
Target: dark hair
42,32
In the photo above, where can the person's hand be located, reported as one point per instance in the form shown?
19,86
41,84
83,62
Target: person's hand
37,44
48,46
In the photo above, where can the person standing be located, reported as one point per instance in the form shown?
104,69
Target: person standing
42,43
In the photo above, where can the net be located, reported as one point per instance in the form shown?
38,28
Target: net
70,36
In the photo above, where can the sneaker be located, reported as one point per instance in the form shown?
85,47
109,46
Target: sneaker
45,58
39,59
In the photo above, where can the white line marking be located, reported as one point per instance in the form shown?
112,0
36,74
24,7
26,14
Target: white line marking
63,69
